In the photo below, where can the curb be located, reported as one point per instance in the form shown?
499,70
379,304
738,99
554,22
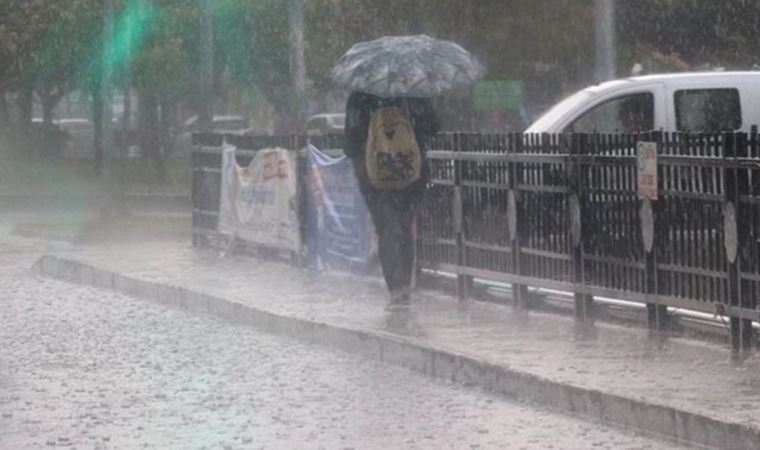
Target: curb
635,414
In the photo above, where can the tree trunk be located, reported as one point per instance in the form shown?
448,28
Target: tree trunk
168,126
24,141
149,130
52,139
97,120
5,127
5,118
24,100
206,110
48,105
123,134
127,115
297,65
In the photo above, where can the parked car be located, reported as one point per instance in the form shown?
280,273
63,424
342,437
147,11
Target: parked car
73,137
219,124
333,123
48,140
80,136
689,102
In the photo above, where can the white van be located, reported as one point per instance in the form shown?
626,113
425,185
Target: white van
688,102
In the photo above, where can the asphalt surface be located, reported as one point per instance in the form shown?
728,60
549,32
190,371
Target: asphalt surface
85,368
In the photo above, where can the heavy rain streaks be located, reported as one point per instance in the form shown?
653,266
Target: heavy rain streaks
379,223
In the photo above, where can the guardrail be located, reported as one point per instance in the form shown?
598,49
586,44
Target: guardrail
563,212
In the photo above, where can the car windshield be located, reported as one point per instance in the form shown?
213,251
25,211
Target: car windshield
560,109
229,124
339,120
76,125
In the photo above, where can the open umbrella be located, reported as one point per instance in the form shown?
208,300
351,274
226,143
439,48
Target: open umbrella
406,66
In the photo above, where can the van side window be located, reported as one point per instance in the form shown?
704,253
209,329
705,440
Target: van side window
708,110
632,113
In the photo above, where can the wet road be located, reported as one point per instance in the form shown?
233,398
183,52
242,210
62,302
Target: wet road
83,368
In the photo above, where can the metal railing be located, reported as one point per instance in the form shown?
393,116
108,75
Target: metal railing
207,176
563,212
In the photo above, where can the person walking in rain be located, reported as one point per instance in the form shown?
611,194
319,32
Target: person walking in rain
389,124
386,139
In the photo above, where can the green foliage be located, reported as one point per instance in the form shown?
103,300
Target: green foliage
64,46
56,42
253,41
43,42
56,45
697,31
163,47
508,35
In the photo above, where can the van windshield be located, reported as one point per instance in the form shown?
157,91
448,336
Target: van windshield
633,113
559,110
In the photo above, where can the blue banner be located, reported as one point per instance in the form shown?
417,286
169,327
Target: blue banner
338,224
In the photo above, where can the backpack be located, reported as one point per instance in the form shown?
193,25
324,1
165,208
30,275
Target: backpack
393,156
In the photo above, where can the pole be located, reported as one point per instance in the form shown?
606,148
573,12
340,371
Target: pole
105,139
127,99
604,39
206,110
106,82
297,65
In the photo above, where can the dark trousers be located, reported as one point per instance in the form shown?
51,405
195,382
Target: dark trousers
393,215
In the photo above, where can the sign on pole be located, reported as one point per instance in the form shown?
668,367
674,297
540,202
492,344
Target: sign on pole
647,169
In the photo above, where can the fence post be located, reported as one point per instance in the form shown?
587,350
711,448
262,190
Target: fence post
519,291
657,314
734,236
297,142
199,196
748,231
461,143
579,146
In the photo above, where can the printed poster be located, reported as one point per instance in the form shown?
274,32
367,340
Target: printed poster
259,202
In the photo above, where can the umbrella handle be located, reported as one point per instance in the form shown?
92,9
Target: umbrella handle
405,104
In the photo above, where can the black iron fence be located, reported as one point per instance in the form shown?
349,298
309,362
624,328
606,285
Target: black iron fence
207,176
563,212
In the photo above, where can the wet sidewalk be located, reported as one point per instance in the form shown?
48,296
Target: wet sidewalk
612,362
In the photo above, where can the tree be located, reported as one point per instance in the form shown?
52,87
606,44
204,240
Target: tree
63,52
162,71
23,26
42,45
252,42
43,42
701,32
549,41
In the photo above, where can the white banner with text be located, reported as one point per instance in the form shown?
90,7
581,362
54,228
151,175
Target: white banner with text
259,202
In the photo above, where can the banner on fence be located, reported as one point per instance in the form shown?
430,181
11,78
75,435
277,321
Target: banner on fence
340,234
259,202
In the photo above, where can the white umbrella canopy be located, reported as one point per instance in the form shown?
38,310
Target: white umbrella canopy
406,66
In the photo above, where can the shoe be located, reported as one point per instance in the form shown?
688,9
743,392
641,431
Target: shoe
400,300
